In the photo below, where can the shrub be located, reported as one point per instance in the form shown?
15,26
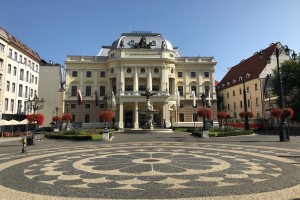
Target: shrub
72,137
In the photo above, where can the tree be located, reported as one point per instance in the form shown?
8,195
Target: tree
290,73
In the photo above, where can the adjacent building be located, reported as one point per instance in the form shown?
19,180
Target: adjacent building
135,62
256,71
19,75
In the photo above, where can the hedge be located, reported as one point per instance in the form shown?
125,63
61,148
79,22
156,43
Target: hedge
72,137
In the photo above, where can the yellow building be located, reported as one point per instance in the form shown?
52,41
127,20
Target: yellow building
135,62
256,70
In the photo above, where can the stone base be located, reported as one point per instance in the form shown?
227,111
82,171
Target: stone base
105,136
205,134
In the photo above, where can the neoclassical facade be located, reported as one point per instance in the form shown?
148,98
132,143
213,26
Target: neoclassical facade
135,62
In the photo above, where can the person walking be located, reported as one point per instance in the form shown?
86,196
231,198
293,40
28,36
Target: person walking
24,143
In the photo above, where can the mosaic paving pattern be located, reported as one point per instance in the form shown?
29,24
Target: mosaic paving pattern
155,171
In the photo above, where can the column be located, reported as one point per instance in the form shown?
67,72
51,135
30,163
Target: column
166,114
163,79
121,120
149,80
135,81
136,115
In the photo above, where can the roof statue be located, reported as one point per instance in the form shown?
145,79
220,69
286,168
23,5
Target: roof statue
148,94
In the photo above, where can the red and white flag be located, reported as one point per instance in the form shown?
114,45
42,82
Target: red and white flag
79,97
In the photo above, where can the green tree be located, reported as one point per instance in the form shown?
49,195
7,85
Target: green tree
290,73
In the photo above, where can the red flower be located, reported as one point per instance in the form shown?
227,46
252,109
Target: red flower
204,113
56,118
276,112
106,115
250,114
242,114
66,117
36,118
221,115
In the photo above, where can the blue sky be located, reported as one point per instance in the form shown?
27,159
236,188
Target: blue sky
229,30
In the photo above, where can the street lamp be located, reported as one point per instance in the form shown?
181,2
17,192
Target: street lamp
105,99
67,109
35,104
225,109
245,102
283,128
56,110
203,99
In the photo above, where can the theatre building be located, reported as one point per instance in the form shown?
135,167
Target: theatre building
133,63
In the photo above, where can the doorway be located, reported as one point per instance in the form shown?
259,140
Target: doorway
128,119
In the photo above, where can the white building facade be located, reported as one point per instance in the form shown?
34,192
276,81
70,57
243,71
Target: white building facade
135,62
19,74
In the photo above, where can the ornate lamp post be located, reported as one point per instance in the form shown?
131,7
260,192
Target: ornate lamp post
245,102
105,99
67,109
283,128
225,109
35,104
203,99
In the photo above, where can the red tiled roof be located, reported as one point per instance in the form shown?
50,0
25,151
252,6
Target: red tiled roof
253,66
18,44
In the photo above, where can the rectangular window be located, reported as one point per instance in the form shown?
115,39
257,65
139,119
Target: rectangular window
240,90
1,63
74,73
25,61
74,91
206,91
26,91
233,93
12,103
73,106
87,118
9,69
241,104
249,103
180,89
102,90
247,89
27,76
36,82
227,94
256,88
16,56
20,90
6,104
102,74
88,91
13,87
228,106
155,88
234,105
194,88
101,106
20,58
15,71
181,117
87,106
2,48
179,74
22,74
88,74
195,117
10,53
193,74
142,88
257,102
7,85
128,88
206,74
181,105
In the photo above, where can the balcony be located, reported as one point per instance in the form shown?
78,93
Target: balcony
138,93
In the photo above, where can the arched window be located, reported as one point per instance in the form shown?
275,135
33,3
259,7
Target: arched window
142,70
156,71
172,71
129,70
112,70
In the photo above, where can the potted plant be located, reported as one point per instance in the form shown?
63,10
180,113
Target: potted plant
106,116
221,116
67,118
56,119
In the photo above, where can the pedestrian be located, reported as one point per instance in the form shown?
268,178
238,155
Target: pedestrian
24,143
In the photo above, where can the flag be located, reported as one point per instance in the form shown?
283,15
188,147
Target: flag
113,98
209,102
96,98
194,99
79,97
178,99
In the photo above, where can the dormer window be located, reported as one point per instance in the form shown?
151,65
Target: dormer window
248,75
223,85
228,82
233,80
240,78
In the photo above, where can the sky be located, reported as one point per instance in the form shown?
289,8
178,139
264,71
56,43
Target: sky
228,30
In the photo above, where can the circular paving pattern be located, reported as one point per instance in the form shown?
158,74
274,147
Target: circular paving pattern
152,171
